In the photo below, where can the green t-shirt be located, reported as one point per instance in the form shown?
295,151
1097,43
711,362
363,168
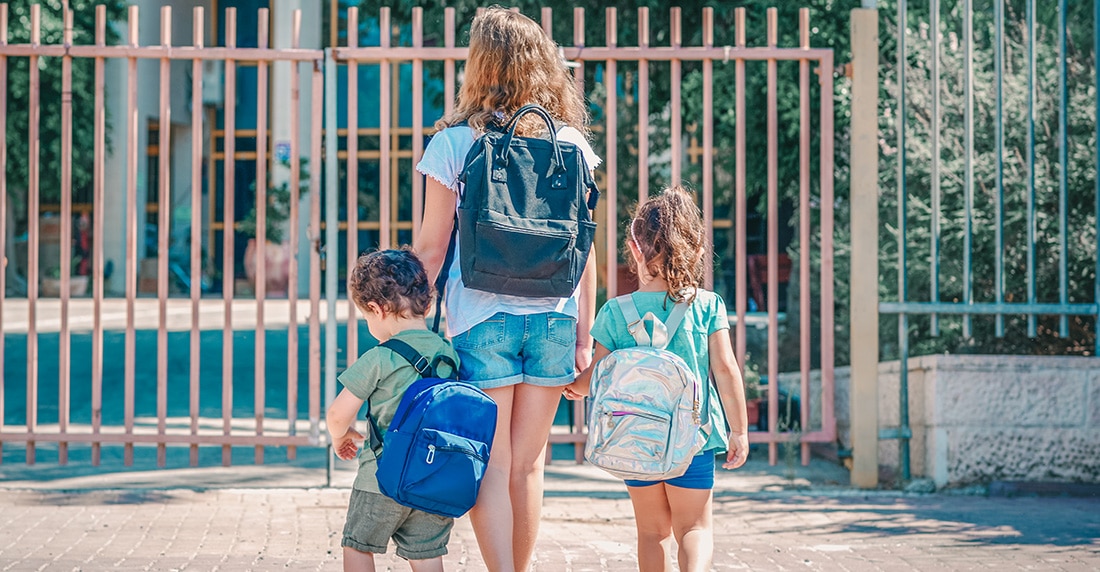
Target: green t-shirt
380,377
706,315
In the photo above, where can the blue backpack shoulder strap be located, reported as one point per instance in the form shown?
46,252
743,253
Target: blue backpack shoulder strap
423,366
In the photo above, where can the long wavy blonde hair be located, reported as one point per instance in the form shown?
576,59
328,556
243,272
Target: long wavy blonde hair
512,62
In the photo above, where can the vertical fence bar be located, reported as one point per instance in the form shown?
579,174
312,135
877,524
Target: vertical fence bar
259,368
295,197
546,18
643,107
1063,174
32,236
999,135
417,119
449,63
828,297
385,103
228,267
578,42
131,233
675,39
968,121
903,198
740,202
317,105
804,307
164,208
352,171
708,147
198,39
332,239
4,194
64,370
773,243
1031,98
1096,277
611,152
934,256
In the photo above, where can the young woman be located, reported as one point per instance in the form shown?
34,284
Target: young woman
521,351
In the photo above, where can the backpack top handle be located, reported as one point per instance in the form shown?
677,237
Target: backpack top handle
558,181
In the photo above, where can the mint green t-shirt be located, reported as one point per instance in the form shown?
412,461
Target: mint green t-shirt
380,377
706,315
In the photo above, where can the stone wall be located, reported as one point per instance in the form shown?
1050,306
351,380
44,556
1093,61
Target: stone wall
984,418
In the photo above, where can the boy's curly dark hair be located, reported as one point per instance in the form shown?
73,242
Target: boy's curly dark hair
393,279
670,235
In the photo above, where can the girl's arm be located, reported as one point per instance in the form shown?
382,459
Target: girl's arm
582,385
586,313
731,388
435,229
340,421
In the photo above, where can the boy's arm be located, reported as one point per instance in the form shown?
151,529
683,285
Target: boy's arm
727,377
340,420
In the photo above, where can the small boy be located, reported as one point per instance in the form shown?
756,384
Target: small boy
392,291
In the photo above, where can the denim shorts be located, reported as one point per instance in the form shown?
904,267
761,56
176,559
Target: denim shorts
537,349
699,475
373,519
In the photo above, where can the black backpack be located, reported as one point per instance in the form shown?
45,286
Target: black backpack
524,218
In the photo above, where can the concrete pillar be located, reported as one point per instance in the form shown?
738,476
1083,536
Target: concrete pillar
864,276
309,38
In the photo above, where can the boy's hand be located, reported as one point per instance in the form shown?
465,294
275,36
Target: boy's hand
347,447
738,452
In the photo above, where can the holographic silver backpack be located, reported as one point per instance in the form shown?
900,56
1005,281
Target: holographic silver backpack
645,422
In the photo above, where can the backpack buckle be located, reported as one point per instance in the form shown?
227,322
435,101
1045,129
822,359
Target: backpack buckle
422,366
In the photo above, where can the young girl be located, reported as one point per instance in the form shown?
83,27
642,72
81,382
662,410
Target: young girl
666,246
520,351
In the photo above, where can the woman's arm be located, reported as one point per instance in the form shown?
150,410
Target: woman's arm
731,388
435,228
586,312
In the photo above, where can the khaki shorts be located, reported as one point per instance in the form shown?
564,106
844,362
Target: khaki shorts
374,518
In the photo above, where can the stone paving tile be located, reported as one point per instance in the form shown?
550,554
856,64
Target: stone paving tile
299,529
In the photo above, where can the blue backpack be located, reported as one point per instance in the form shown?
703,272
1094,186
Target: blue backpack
437,447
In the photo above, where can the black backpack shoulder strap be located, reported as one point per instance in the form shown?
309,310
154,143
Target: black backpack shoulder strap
441,278
422,365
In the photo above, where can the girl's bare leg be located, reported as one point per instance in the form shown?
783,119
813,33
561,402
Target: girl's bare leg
491,517
653,518
693,527
533,411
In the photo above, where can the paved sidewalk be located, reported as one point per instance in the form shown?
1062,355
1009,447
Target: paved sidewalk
766,518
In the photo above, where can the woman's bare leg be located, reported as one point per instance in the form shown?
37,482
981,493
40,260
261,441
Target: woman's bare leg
653,519
491,517
533,411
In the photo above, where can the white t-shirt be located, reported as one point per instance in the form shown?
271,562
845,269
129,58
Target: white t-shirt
443,161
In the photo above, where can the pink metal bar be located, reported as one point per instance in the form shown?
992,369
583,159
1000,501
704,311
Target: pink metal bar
3,193
828,331
417,119
385,103
169,439
773,245
32,237
230,148
578,43
97,232
675,39
353,176
292,285
259,367
577,53
449,63
316,110
708,148
611,163
160,52
163,220
198,32
740,203
546,16
804,284
64,369
131,233
643,107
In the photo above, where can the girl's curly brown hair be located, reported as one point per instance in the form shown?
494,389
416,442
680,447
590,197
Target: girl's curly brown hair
668,230
393,279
